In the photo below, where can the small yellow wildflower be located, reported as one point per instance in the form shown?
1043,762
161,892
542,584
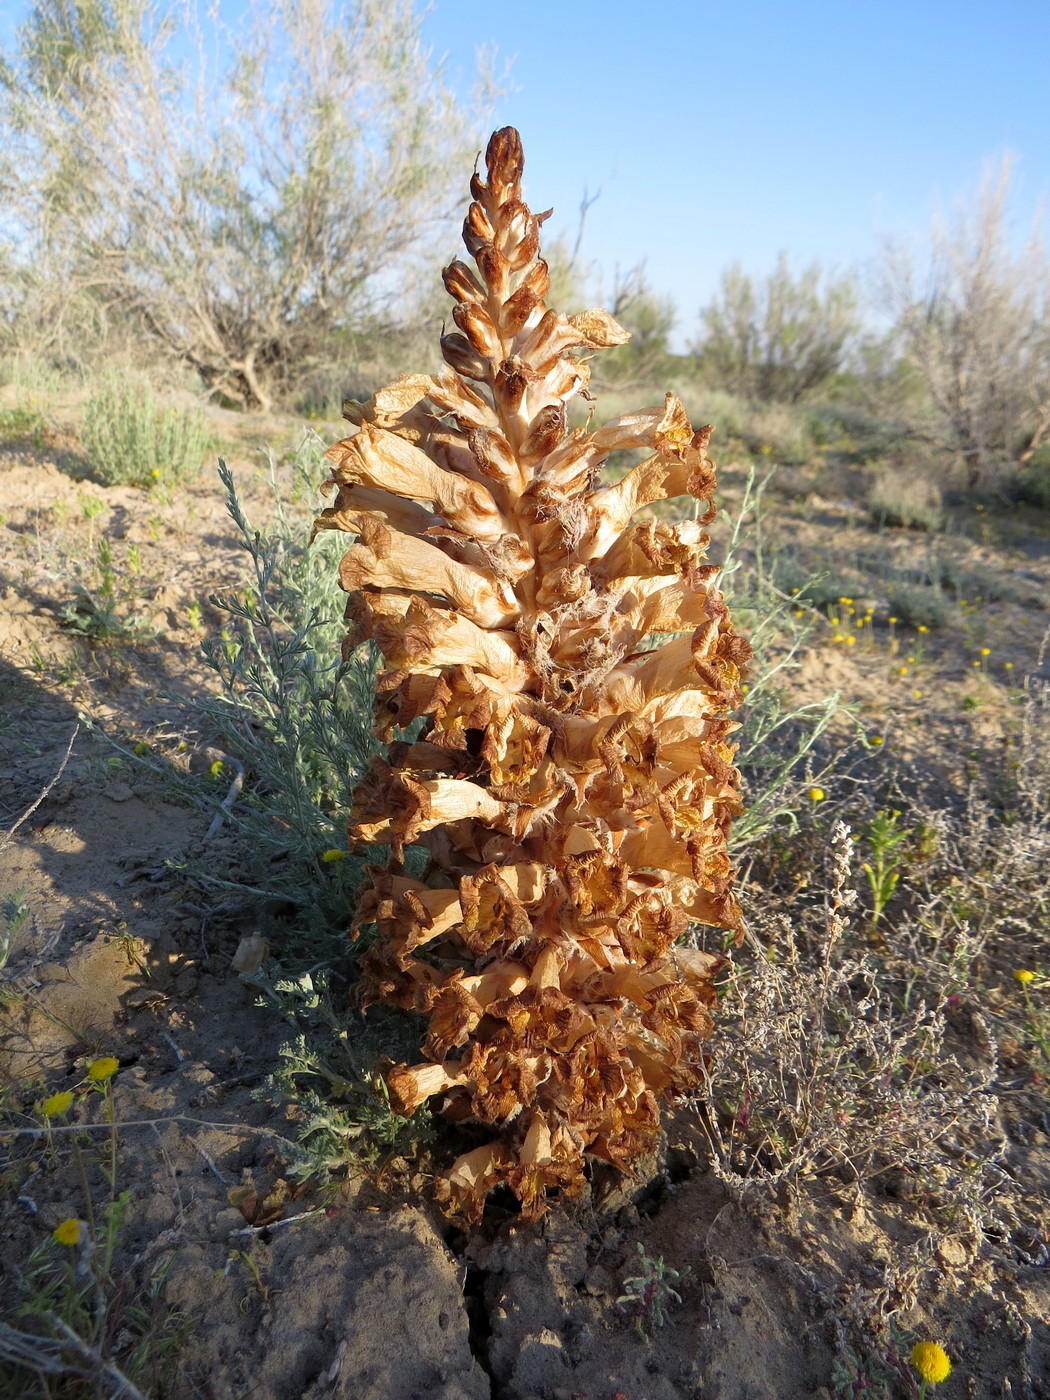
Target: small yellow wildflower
917,694
816,794
976,663
57,1104
902,670
911,660
893,620
216,769
850,641
101,1070
875,739
1024,975
745,687
330,857
986,651
1009,665
922,627
69,1231
931,1361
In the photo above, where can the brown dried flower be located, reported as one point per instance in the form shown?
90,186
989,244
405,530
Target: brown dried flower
573,781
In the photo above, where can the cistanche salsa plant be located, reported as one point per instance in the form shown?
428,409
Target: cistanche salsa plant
567,666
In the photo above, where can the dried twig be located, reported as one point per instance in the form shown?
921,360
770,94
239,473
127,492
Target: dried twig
30,810
227,801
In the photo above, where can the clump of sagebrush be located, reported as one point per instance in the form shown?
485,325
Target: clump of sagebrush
290,712
568,777
820,1066
131,439
909,501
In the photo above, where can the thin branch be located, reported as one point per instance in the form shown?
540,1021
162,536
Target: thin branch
30,810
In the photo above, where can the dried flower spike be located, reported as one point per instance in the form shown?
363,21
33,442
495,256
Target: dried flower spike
572,782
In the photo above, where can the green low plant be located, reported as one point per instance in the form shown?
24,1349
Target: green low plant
327,1067
15,915
650,1292
886,840
106,600
133,440
28,418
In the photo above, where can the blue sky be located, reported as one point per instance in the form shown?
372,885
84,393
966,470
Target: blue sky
730,131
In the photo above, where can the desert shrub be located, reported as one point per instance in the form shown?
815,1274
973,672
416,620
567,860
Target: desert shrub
819,1066
1031,484
781,432
133,440
779,338
973,331
905,500
646,359
241,221
36,386
917,605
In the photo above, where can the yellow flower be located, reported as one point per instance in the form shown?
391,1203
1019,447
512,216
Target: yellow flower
1023,975
330,857
902,670
69,1231
893,619
917,694
850,641
57,1104
1009,665
875,739
986,651
101,1070
931,1361
816,794
922,627
216,769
